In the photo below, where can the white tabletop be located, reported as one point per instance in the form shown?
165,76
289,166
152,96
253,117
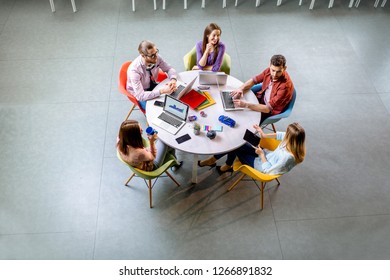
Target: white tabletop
229,139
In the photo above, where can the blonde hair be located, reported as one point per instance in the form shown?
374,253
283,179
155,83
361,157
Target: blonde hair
295,141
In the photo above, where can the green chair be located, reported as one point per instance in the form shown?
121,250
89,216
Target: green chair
190,61
148,176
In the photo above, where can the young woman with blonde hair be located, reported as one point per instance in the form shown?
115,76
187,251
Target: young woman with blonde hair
290,152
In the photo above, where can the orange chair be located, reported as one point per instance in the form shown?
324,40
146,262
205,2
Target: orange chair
122,86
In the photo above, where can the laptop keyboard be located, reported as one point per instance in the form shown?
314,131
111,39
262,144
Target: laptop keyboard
177,91
228,100
172,121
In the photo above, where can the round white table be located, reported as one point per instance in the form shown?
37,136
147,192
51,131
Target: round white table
227,140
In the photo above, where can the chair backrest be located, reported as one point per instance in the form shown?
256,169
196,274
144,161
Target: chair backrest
123,82
286,112
190,61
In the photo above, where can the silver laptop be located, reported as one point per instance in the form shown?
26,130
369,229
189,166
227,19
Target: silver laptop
227,100
182,89
212,78
174,115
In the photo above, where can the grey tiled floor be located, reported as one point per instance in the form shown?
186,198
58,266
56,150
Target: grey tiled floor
61,185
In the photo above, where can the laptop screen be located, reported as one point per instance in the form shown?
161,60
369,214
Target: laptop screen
175,107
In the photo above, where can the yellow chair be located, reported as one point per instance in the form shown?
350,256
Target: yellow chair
190,61
267,143
148,176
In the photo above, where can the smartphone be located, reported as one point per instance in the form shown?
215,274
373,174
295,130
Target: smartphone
183,138
203,87
251,138
158,103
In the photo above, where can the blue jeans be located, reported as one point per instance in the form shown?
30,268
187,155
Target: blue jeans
142,104
246,154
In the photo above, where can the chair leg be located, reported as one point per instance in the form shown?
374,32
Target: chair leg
155,4
129,113
133,2
203,3
383,3
273,127
128,180
277,181
376,3
262,195
236,182
74,6
150,192
185,4
235,4
312,4
257,3
53,8
173,179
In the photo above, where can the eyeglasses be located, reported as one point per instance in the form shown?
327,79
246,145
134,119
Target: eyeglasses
152,55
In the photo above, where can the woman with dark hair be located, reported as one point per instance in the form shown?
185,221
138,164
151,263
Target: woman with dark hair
290,152
133,148
210,51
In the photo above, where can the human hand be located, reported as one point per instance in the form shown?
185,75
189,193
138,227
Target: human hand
259,130
167,89
172,85
259,151
152,137
238,103
209,48
237,94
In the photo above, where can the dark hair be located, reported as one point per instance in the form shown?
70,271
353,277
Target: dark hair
278,60
207,31
129,135
144,46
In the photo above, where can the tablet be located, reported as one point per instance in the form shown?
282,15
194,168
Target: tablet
251,138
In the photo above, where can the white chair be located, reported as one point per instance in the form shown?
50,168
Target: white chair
223,3
279,2
257,3
154,2
185,4
330,4
375,4
53,8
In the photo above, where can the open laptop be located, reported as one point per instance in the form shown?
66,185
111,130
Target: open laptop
212,78
174,115
182,89
227,100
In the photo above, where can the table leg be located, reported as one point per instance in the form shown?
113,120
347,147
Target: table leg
195,177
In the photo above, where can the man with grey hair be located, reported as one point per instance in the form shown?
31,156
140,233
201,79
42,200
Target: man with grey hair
143,72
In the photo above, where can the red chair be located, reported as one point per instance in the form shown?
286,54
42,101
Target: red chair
122,86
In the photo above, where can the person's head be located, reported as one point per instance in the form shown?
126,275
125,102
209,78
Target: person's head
212,34
295,141
130,135
148,51
277,66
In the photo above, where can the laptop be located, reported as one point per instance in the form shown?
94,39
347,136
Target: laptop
182,89
174,115
227,100
212,78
